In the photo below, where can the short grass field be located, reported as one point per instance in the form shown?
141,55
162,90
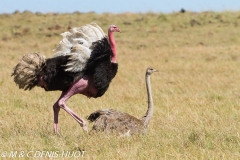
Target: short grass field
196,92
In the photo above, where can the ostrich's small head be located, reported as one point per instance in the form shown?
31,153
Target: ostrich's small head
150,70
113,28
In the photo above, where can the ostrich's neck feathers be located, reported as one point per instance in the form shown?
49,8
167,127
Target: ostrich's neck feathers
113,46
148,115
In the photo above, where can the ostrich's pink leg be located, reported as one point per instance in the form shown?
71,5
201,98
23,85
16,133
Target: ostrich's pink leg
69,111
79,87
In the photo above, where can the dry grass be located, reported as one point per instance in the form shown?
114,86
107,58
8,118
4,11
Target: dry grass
196,93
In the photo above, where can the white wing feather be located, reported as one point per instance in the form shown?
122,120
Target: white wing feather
77,43
78,58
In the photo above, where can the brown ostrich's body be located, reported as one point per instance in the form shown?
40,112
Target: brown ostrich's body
109,120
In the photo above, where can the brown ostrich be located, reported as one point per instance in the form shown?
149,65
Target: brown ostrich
85,62
109,120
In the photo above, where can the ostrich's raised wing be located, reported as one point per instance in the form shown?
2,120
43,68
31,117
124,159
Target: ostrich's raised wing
77,42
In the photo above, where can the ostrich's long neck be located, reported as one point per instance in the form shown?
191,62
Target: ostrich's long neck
113,46
148,115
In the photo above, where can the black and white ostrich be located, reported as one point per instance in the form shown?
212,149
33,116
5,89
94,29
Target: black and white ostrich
85,62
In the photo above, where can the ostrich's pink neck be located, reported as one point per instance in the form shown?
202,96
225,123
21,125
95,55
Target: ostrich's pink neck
113,46
41,82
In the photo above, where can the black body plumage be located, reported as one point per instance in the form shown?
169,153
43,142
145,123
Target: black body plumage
54,75
99,67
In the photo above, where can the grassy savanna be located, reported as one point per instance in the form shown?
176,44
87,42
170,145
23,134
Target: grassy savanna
196,91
